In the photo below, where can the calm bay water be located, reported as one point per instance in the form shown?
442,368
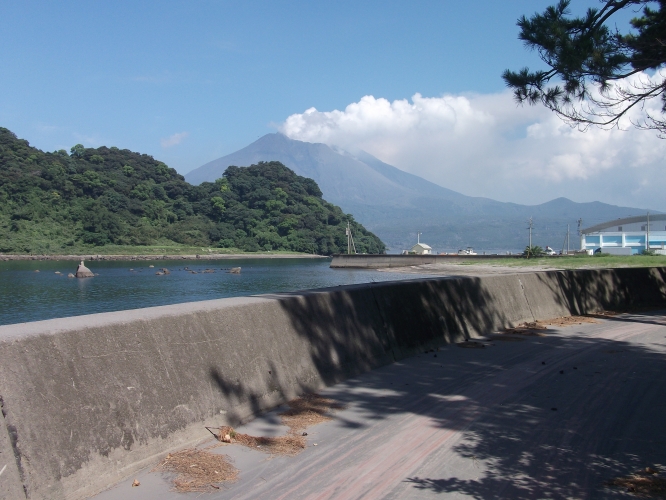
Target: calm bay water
26,295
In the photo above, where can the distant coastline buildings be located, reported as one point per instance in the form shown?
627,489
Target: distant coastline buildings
628,236
419,248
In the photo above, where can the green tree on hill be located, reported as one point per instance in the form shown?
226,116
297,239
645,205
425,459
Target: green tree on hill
97,196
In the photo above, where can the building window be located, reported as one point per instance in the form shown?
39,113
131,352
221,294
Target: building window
612,240
635,239
619,228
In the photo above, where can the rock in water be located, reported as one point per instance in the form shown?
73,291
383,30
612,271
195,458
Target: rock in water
235,270
83,272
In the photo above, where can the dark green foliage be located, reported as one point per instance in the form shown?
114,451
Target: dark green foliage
533,251
583,50
50,202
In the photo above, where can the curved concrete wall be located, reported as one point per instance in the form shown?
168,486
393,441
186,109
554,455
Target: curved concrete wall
88,400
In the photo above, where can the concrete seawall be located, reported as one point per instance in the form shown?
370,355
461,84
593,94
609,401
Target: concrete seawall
88,400
382,261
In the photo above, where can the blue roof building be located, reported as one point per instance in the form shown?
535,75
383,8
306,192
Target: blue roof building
627,236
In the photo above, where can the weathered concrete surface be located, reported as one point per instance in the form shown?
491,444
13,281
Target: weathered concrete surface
474,423
11,486
91,399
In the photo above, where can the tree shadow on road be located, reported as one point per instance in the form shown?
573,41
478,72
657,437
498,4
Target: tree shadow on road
525,430
522,429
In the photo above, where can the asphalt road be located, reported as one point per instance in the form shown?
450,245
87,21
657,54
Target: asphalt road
475,423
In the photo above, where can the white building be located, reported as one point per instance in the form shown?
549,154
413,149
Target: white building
626,236
421,249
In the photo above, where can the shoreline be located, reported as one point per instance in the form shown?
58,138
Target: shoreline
460,269
131,257
464,269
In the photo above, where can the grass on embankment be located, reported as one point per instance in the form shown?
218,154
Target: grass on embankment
582,261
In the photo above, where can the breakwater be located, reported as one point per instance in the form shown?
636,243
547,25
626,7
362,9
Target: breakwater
88,400
360,261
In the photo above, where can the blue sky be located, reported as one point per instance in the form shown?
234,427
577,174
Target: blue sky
188,82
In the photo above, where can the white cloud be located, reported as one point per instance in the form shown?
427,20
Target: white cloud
173,140
486,145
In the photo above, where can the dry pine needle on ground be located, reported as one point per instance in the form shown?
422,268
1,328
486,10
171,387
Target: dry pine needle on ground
645,483
532,328
198,470
310,409
288,445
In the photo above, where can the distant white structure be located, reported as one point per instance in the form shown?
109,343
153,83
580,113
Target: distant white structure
420,248
627,236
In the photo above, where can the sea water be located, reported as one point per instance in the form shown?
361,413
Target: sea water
27,295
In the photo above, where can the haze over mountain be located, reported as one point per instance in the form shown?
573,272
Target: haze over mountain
395,204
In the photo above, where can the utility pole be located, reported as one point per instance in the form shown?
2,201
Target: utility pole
530,228
647,231
348,232
566,242
350,240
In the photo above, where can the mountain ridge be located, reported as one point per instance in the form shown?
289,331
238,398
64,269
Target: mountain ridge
395,204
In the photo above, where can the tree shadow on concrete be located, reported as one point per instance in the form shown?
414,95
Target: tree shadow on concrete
608,409
559,438
606,421
512,443
354,329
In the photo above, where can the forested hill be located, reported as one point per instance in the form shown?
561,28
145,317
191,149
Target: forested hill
61,202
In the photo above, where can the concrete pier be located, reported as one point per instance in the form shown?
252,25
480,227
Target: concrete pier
383,261
88,400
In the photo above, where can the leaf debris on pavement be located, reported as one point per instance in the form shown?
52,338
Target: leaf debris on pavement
303,412
471,344
197,470
646,483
